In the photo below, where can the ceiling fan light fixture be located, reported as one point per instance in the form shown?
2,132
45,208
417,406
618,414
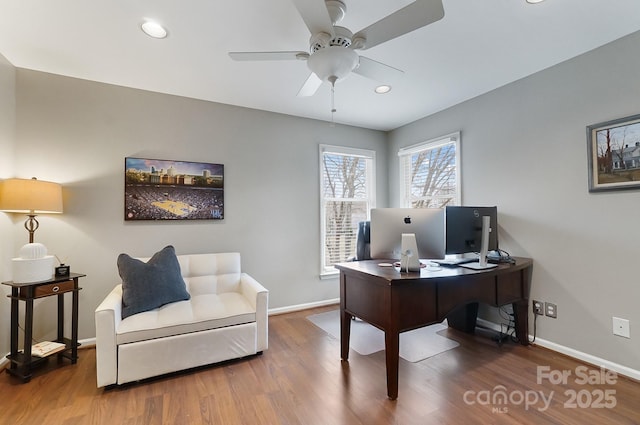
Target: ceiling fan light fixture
333,61
153,29
383,89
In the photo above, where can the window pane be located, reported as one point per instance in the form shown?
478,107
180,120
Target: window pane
430,174
341,228
344,177
347,188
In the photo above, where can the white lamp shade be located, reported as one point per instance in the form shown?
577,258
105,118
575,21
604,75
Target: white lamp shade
30,196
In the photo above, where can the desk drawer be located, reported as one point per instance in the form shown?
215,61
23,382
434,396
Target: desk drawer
53,289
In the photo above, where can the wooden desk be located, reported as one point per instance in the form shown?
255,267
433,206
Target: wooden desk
22,362
397,302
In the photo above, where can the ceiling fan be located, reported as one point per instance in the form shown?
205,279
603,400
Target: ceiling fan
332,55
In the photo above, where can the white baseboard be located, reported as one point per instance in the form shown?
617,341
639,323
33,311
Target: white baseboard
89,342
588,358
299,307
579,355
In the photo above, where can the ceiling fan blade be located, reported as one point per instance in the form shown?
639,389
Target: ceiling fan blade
411,17
268,56
377,71
315,15
310,86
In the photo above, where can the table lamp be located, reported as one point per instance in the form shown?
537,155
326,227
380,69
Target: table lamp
31,197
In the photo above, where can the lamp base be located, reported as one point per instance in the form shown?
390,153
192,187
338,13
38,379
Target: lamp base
31,224
27,270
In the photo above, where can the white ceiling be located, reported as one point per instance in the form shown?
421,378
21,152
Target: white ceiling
478,46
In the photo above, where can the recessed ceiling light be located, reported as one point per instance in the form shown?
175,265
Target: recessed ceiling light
383,89
534,1
153,29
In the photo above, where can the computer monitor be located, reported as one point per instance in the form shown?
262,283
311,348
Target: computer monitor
463,229
388,225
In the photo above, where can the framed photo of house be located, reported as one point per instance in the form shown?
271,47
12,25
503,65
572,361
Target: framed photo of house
614,154
157,189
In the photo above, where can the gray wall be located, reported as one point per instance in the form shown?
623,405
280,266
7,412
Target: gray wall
78,133
7,138
524,149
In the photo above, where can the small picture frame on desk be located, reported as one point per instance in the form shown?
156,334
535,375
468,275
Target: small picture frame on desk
614,154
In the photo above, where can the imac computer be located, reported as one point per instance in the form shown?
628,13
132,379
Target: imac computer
390,225
470,230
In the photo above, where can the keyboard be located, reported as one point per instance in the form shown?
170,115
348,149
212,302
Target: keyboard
452,262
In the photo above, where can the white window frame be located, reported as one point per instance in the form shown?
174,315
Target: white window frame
370,156
405,154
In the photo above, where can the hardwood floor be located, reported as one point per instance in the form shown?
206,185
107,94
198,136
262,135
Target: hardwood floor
300,379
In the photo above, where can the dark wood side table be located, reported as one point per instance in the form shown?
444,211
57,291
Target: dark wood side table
22,362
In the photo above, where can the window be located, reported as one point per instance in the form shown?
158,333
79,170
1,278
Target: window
430,173
347,192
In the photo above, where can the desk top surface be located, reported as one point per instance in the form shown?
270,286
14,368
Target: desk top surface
373,268
54,279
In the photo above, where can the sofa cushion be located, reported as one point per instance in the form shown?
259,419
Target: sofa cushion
201,312
146,286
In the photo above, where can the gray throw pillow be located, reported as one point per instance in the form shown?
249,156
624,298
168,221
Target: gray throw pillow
149,285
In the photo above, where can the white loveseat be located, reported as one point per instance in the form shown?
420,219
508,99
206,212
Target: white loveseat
225,318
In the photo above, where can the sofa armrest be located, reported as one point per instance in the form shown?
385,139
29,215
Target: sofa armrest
108,316
258,296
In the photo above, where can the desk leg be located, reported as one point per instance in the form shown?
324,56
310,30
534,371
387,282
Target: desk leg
521,318
14,326
521,308
28,340
345,320
392,353
74,326
345,334
60,318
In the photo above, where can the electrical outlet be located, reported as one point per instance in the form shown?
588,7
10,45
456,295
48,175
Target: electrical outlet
551,310
621,327
538,307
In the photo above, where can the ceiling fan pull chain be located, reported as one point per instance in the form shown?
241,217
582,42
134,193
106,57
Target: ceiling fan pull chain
332,80
333,101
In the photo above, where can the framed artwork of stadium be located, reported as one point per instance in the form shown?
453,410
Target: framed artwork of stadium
158,189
